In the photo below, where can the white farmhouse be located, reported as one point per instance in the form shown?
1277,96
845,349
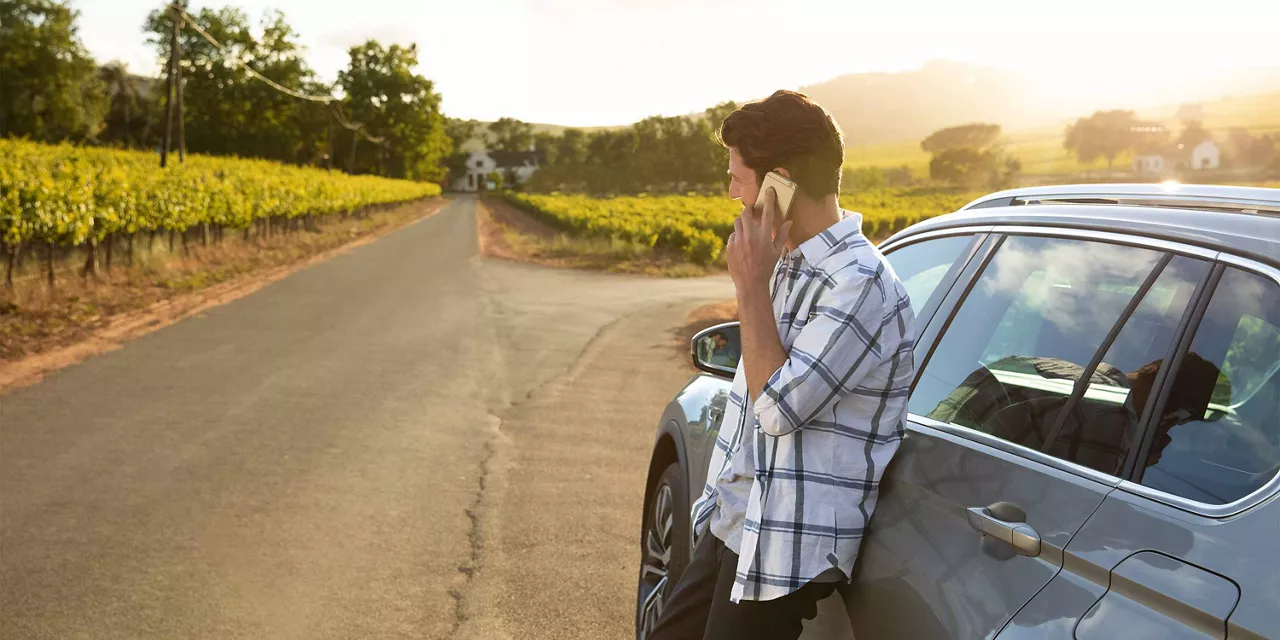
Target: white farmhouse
1206,156
482,162
1149,164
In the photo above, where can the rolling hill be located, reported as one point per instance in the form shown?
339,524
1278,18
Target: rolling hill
1040,147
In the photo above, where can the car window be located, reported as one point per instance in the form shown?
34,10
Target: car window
1100,428
923,265
1218,437
1039,311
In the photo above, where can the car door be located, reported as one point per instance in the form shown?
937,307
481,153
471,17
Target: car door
1008,451
1184,548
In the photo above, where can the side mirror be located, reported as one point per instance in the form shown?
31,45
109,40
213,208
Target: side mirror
717,350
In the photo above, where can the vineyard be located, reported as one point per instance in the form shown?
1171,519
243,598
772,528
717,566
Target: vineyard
64,196
698,226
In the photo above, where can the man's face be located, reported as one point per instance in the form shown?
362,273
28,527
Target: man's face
744,184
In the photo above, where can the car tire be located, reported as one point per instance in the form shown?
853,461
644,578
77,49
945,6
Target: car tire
664,546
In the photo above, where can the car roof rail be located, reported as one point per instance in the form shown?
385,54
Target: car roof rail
1256,200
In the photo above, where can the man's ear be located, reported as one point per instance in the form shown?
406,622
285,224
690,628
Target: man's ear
782,172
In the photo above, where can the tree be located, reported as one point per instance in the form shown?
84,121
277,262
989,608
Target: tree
663,154
384,94
510,134
49,88
544,144
974,136
899,177
459,132
1193,133
1247,150
130,107
969,154
716,115
861,179
570,148
962,165
1105,134
228,112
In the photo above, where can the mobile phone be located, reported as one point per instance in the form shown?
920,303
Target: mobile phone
785,189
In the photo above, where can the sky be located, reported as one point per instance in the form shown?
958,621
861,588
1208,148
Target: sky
609,62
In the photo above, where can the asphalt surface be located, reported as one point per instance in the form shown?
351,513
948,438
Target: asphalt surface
406,441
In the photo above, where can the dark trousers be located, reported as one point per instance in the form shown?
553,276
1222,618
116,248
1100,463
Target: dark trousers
699,607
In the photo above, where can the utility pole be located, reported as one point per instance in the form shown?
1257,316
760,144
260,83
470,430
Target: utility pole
168,97
351,163
177,73
328,137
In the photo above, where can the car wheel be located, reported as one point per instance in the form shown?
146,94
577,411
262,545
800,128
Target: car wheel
664,547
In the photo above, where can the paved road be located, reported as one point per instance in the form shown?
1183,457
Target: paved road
408,440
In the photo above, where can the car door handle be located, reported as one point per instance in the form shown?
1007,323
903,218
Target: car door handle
1018,535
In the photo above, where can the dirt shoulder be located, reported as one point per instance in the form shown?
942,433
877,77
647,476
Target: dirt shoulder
42,331
563,505
508,233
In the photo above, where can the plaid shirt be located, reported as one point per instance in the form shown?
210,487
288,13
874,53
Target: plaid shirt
829,419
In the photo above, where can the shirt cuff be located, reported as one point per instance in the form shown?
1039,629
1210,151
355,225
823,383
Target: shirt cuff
769,415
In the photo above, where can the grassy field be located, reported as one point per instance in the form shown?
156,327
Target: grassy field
1041,152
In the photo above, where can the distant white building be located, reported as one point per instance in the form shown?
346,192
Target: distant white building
482,162
1149,164
1206,156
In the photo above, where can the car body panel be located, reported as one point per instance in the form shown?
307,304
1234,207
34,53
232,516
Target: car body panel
1127,524
921,542
701,406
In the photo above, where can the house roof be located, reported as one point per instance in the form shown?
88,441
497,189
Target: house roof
506,159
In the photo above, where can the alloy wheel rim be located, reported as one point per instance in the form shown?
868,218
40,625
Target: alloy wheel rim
656,565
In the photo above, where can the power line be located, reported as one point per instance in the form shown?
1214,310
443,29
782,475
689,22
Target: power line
333,103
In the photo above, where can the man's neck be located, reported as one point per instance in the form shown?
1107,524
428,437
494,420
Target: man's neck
811,217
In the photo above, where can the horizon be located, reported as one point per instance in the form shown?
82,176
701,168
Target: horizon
594,64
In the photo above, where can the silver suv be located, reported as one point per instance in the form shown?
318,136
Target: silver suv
1093,438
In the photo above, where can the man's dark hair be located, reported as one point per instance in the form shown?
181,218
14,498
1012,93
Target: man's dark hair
788,130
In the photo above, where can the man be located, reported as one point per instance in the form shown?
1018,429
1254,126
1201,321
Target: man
723,353
817,406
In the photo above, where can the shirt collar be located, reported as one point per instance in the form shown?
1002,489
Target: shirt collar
817,248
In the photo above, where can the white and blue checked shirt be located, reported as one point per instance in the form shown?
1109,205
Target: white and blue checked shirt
829,419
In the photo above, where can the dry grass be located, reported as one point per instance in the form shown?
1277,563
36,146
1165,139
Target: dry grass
36,319
510,234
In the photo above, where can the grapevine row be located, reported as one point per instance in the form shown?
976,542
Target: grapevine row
60,195
698,226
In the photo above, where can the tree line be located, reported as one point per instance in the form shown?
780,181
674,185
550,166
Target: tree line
51,90
659,154
973,154
1107,134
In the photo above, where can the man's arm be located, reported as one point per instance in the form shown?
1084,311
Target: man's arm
752,255
852,333
762,352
